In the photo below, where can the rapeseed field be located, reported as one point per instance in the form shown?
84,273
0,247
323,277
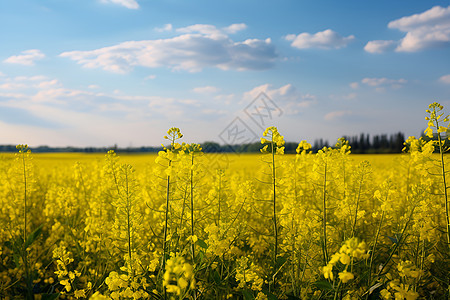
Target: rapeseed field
182,224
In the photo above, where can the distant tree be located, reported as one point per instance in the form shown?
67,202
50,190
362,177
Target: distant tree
211,147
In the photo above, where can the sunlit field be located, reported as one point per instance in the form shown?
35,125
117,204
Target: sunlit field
181,224
237,161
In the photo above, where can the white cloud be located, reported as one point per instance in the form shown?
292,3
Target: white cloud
344,97
27,82
30,78
354,85
167,27
326,39
150,77
233,28
62,116
286,97
445,79
425,30
49,84
11,86
93,86
27,57
215,112
337,114
131,4
383,82
211,30
225,98
199,46
436,15
204,29
206,89
379,46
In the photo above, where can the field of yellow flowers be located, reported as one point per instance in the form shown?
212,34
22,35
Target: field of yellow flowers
186,225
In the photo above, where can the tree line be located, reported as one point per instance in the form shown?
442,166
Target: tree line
363,143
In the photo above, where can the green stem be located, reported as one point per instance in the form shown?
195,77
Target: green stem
192,206
275,227
357,206
337,291
220,190
324,223
401,239
166,218
373,251
129,225
441,153
447,218
28,280
166,215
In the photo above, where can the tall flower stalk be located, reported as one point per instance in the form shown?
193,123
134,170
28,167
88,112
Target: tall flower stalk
23,158
169,154
436,119
275,140
322,167
193,150
126,215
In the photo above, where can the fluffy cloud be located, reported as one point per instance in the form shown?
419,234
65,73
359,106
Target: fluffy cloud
39,109
324,39
198,46
426,30
436,16
225,98
287,97
211,30
445,79
423,31
167,27
131,4
354,85
337,114
379,46
27,82
233,28
206,89
27,57
383,82
47,91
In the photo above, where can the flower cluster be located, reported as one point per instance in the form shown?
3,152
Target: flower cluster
273,138
352,250
435,116
178,277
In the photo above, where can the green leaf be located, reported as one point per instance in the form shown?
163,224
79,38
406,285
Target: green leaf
393,239
323,285
374,287
50,296
202,244
270,296
16,258
216,277
201,257
33,236
280,261
248,295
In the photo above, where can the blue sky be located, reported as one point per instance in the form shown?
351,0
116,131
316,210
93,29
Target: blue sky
105,72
